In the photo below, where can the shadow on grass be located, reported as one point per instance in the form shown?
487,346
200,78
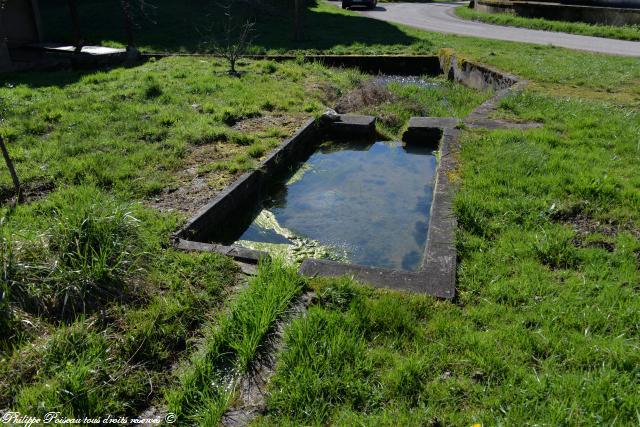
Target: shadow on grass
46,78
187,26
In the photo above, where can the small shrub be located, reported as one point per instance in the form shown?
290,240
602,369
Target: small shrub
270,67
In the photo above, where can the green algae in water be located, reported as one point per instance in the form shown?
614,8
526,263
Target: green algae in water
365,203
295,249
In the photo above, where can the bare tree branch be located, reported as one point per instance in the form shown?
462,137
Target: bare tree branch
237,38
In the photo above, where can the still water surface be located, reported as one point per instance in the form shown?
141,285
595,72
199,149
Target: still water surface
370,202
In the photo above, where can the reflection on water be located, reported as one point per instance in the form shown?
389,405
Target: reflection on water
369,202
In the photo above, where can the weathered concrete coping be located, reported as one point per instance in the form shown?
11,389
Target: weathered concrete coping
473,74
417,282
427,129
348,125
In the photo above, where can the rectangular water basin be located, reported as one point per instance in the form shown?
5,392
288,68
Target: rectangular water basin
357,202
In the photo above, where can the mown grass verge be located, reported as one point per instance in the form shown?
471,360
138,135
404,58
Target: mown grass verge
207,382
628,32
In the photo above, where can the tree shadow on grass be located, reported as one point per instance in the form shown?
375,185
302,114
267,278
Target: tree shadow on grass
325,29
186,26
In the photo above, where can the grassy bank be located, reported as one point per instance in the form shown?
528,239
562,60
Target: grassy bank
629,32
330,29
545,328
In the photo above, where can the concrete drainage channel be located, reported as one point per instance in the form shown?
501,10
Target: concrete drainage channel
436,275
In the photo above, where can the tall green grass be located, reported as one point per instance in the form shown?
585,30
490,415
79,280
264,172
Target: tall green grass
89,244
207,383
118,362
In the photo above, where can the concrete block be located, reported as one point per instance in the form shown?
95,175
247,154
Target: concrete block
427,130
352,126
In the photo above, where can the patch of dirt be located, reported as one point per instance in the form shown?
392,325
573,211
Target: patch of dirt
288,124
193,188
367,95
31,192
585,226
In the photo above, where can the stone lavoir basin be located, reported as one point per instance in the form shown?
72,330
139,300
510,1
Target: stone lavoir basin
379,212
336,200
365,203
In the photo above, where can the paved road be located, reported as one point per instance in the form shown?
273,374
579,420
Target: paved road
441,18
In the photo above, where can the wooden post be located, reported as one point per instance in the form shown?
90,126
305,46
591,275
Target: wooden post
75,23
128,23
12,169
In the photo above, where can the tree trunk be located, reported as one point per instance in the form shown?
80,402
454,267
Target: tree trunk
128,23
297,20
5,58
12,170
75,23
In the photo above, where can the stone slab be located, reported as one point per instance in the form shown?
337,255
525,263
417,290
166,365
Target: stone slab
352,126
88,50
427,130
419,282
237,252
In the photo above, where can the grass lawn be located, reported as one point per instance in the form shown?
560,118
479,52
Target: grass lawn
99,316
628,32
